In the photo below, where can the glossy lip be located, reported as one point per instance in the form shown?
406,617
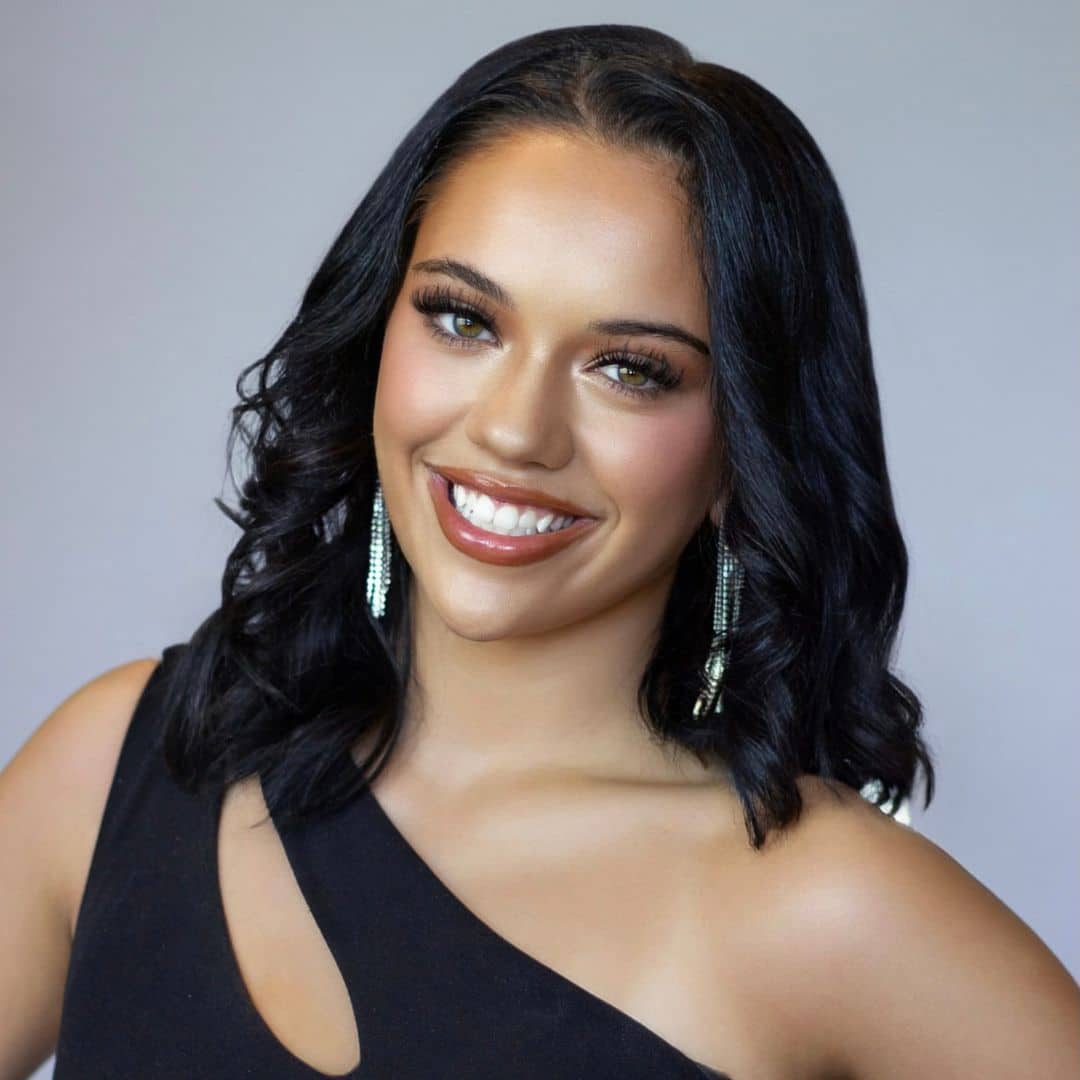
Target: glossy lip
499,489
490,547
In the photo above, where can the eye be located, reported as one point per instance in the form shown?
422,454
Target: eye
652,366
464,321
454,328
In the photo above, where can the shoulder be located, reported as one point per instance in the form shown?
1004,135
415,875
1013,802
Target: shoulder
910,963
52,796
58,783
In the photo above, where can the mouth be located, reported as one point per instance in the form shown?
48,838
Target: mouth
501,533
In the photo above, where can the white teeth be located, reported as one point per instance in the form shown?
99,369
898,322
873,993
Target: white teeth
505,519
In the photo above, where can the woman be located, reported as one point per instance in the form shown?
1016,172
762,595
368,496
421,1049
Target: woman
546,724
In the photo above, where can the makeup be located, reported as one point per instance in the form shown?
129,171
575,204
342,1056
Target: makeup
491,547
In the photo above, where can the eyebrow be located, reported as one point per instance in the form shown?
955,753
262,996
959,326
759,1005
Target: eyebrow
467,273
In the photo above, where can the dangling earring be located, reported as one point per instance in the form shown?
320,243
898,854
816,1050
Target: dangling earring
378,579
729,581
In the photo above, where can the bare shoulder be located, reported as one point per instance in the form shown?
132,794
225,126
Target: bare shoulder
52,797
66,767
910,963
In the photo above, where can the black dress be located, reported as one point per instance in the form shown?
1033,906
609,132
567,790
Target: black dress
153,991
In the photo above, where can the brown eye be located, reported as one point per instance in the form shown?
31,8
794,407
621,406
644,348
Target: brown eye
459,326
465,325
634,373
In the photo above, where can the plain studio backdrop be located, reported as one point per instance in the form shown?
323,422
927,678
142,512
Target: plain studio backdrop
174,172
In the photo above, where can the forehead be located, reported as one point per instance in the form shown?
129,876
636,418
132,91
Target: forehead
549,211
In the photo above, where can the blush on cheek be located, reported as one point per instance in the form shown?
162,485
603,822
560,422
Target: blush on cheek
416,395
663,465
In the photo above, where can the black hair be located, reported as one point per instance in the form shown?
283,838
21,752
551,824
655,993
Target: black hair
292,668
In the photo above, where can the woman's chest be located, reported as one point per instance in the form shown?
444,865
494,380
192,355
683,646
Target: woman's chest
633,928
341,951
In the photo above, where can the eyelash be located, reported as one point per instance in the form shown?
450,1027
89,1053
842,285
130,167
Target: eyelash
441,301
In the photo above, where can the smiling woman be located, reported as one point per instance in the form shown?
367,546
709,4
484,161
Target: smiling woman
541,367
588,780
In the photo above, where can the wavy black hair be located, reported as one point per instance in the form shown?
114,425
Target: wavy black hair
292,669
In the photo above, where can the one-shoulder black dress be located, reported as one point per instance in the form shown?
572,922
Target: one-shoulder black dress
153,991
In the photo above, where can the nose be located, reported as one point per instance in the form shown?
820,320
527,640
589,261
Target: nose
520,412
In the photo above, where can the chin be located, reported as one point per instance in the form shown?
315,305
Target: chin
487,615
483,625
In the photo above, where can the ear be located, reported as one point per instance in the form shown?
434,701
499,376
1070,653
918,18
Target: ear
719,505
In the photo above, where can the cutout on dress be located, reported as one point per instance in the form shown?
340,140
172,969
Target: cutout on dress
291,977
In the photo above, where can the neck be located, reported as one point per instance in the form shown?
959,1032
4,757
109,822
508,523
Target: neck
561,701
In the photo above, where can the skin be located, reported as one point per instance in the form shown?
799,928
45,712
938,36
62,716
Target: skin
849,947
529,405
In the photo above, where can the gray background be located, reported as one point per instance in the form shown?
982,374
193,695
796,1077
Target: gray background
173,174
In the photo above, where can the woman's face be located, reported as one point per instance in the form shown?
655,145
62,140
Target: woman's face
519,390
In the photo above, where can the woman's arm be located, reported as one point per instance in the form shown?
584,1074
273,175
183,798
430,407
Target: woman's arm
52,797
931,974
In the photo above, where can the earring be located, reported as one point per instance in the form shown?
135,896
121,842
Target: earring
378,579
729,580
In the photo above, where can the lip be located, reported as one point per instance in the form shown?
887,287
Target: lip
490,547
499,489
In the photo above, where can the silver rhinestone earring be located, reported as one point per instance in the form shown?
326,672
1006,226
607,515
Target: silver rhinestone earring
729,580
378,579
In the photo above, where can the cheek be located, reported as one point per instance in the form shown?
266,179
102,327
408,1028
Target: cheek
415,394
664,467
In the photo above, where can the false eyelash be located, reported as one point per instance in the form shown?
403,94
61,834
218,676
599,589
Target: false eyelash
646,362
440,300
